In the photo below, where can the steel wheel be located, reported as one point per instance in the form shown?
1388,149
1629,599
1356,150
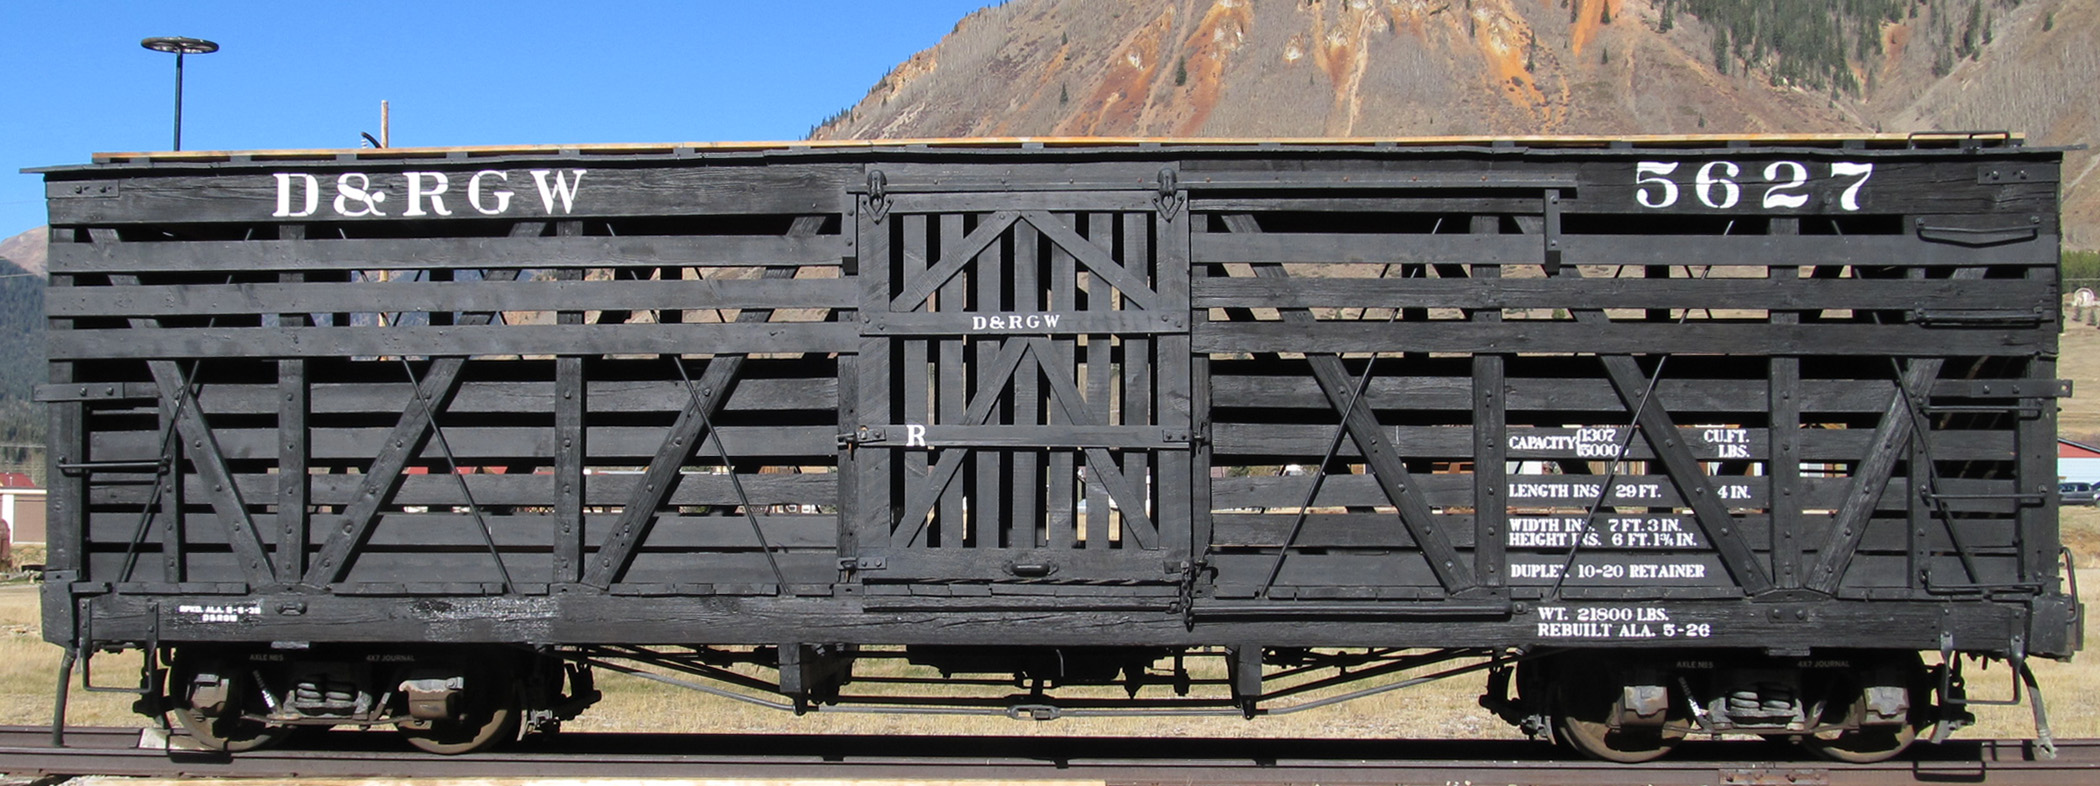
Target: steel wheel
231,730
1873,743
1863,746
1583,706
489,718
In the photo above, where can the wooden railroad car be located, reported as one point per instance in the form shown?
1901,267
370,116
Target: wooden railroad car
1663,436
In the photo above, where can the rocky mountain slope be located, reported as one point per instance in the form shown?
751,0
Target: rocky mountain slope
26,250
1234,68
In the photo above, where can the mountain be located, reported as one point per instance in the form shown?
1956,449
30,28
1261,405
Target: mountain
26,250
1387,68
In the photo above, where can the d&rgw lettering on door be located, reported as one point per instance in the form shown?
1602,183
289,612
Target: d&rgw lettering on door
423,194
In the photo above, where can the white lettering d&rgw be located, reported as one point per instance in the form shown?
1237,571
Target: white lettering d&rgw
563,187
312,187
416,193
502,195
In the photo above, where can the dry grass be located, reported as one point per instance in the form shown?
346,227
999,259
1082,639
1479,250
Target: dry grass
2079,361
28,667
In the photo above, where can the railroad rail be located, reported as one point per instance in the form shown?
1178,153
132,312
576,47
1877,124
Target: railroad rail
135,752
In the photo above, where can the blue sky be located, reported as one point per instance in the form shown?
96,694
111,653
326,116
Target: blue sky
312,74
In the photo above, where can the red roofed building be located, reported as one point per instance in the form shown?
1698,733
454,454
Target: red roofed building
2077,461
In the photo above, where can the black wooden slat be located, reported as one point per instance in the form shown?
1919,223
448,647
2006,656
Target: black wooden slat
1618,338
250,195
987,506
571,403
294,527
1025,492
911,259
1063,505
1706,293
1490,427
1096,364
1307,440
1182,509
946,323
173,551
321,297
872,511
455,340
1756,250
1232,386
445,252
1137,366
1784,451
950,374
752,395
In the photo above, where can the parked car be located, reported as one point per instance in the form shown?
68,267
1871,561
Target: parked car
2077,494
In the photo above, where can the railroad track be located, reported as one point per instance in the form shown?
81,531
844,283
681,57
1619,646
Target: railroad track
1216,762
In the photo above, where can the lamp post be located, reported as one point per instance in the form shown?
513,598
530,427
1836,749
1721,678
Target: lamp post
179,46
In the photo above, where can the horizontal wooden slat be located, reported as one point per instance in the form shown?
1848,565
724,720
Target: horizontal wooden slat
1688,293
483,443
1617,338
447,253
1576,491
422,341
1526,443
251,195
601,488
483,296
1756,250
749,395
1133,322
1214,248
453,531
937,436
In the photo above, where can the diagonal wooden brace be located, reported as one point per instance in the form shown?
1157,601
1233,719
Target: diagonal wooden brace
220,488
219,485
617,551
953,260
1096,259
921,505
384,477
1128,498
1871,480
1683,468
1384,461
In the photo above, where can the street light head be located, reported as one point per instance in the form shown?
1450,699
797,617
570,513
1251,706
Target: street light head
178,45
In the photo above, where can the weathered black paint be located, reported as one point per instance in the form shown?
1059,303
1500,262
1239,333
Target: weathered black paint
929,460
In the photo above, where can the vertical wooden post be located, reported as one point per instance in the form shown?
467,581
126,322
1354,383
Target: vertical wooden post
570,449
1490,425
1783,422
873,511
293,405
